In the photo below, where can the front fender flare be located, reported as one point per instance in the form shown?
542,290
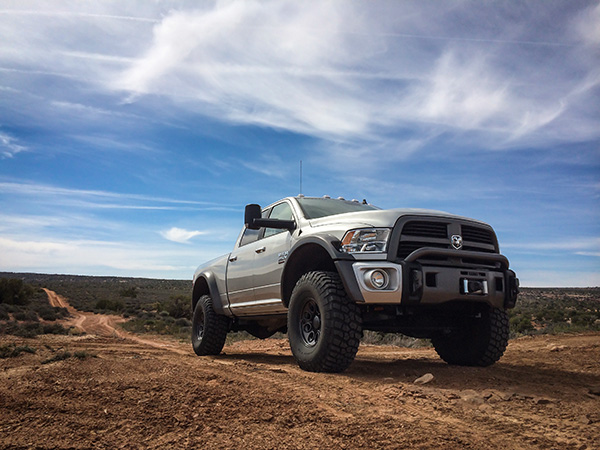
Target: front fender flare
205,284
315,252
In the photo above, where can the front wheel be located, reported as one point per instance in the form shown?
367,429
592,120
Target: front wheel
209,329
324,326
481,341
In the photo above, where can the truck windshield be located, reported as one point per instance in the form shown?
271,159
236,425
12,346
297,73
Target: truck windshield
314,208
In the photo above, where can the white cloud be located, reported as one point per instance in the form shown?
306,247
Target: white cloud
350,73
180,235
9,146
99,199
572,244
341,72
587,25
91,257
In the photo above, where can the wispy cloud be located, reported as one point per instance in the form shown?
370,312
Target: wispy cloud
180,235
75,14
95,257
9,146
588,246
97,198
327,81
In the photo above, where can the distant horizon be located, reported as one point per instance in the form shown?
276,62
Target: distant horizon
190,279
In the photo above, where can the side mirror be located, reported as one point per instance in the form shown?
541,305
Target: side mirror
254,221
252,213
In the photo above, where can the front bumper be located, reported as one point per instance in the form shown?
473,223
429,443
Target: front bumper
413,283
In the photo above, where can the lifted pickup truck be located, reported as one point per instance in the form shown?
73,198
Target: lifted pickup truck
326,269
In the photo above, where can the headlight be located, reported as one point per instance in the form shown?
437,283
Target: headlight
366,240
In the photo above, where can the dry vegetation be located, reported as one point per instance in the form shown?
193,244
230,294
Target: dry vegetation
163,307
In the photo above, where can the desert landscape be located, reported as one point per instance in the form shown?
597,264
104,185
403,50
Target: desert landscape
109,388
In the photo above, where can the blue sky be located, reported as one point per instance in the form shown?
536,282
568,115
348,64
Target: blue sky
132,134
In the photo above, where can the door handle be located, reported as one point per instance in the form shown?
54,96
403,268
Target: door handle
260,250
233,259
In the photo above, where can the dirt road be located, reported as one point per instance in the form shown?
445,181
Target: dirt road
543,394
103,324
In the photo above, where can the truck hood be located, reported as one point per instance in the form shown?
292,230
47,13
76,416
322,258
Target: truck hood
381,218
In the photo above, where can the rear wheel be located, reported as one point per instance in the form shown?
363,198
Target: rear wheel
209,329
324,326
481,341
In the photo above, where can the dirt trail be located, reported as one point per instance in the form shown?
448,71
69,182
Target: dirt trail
543,394
103,324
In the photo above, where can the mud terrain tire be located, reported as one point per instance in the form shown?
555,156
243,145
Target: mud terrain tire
209,329
324,326
480,343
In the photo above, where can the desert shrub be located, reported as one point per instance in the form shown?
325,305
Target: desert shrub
520,324
54,328
26,315
110,305
13,291
4,313
179,307
130,292
160,325
47,313
26,329
12,350
396,339
183,322
82,354
60,356
32,329
585,319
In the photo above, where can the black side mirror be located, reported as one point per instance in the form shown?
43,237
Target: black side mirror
251,213
254,221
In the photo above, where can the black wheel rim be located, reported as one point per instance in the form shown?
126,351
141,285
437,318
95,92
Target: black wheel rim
200,326
310,323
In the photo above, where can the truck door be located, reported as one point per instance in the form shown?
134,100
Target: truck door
240,270
269,261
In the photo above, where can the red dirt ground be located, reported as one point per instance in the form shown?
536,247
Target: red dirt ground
131,393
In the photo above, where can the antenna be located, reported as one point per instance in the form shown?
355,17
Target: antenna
300,176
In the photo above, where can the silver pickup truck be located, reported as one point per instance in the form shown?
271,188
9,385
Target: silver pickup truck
326,269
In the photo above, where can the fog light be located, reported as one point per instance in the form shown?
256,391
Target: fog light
377,279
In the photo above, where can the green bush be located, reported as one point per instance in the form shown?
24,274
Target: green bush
4,313
110,305
130,292
14,292
54,328
12,351
179,307
32,329
61,356
520,324
26,315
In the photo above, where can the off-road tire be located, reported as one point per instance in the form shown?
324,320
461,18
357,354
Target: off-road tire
481,342
209,329
324,326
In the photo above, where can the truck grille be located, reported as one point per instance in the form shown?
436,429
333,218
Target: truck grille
416,234
479,235
425,229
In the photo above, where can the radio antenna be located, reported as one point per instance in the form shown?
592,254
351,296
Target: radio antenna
300,176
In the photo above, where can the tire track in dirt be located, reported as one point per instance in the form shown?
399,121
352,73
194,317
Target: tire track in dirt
103,324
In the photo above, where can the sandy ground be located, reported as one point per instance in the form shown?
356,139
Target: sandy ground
151,393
